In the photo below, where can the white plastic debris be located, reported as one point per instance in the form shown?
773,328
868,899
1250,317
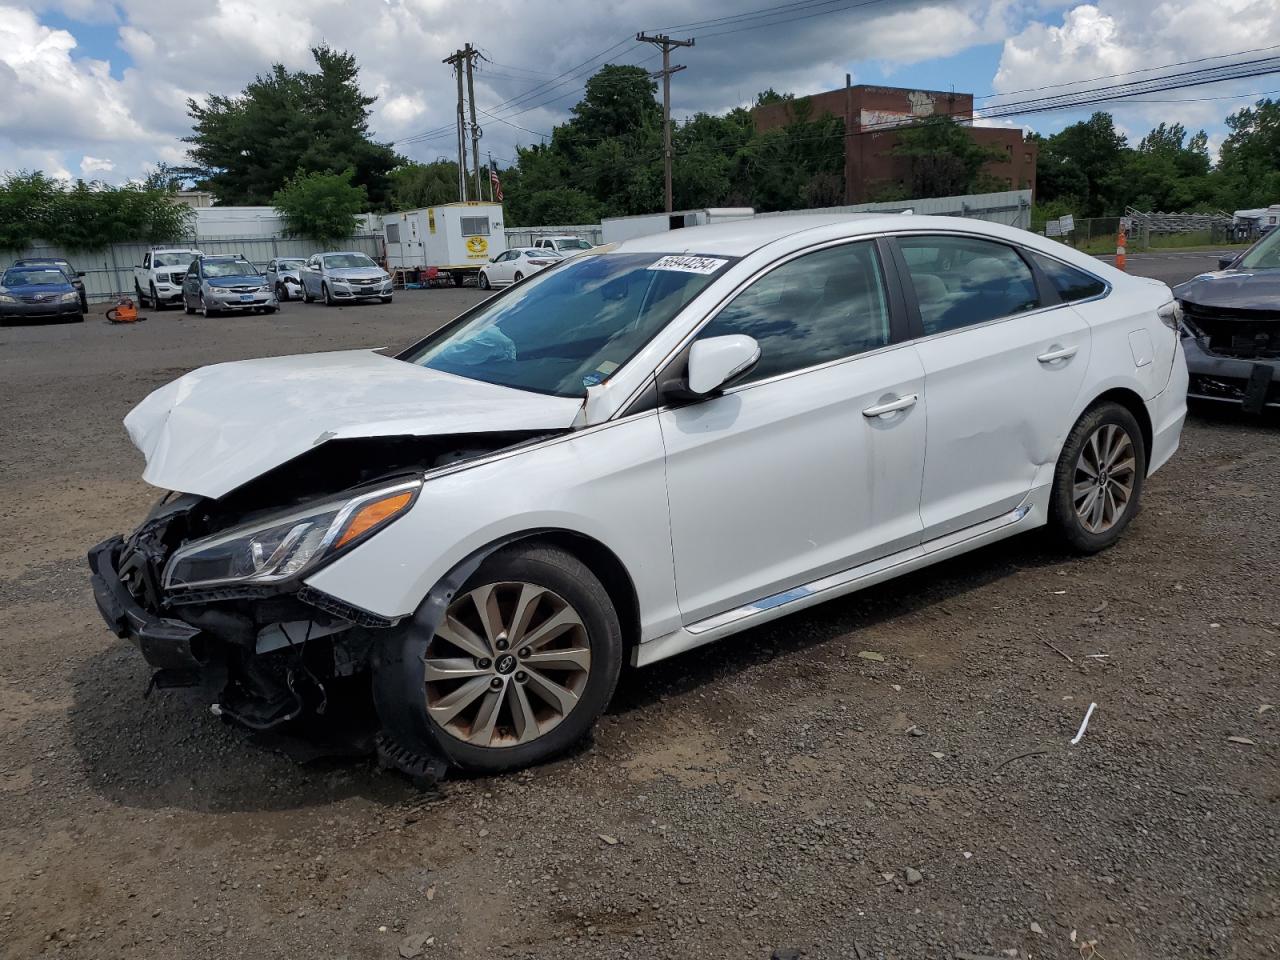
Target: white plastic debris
1084,724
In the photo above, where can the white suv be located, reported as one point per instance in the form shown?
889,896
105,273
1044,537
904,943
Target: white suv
629,455
158,279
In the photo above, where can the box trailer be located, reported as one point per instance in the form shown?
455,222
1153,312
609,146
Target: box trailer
617,229
454,239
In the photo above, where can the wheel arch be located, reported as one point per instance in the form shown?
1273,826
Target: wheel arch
1131,401
600,559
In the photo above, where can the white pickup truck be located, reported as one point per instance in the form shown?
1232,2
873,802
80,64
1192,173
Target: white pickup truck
158,280
566,244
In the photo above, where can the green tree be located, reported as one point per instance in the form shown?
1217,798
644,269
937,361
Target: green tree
285,124
321,207
426,184
86,216
1249,162
1086,159
944,157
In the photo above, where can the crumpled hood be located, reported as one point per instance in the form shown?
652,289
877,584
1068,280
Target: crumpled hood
1235,289
220,426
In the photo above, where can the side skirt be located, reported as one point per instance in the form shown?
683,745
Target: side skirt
1033,512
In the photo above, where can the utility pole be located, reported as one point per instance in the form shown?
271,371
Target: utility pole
667,45
471,53
455,61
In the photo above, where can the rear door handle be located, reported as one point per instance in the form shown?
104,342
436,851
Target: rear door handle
891,406
1058,353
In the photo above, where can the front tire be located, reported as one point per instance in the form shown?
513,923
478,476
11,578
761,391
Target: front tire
204,308
155,299
525,661
328,297
282,292
306,295
1098,482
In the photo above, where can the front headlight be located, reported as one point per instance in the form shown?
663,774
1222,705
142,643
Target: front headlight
1171,315
5,298
71,297
283,547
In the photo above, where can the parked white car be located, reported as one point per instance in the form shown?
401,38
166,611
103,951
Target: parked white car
631,455
285,276
512,266
345,276
565,244
158,279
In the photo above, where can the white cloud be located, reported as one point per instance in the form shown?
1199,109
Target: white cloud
1097,40
93,165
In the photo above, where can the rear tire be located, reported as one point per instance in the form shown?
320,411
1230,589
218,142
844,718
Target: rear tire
519,276
483,281
519,705
137,292
1098,482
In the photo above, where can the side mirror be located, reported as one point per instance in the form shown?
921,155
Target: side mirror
1225,262
712,364
79,273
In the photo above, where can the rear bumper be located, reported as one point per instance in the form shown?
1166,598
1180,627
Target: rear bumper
166,644
1251,383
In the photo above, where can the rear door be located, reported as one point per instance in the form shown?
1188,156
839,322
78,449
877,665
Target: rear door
811,464
1004,360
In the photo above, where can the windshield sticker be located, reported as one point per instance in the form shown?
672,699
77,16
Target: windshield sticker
591,379
686,264
607,367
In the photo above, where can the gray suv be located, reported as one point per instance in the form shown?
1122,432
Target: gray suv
338,277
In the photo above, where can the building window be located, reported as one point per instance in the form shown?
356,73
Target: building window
475,226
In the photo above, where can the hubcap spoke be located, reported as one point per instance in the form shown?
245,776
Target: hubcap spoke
572,658
461,637
522,715
486,601
450,706
453,668
486,718
1082,489
553,693
525,608
554,626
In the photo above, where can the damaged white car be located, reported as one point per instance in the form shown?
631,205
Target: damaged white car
637,451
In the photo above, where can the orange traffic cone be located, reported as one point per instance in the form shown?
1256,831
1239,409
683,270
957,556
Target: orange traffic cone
1120,242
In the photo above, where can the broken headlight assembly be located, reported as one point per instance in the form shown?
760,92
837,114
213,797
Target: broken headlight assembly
279,548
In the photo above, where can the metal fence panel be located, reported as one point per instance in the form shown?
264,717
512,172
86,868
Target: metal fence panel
108,273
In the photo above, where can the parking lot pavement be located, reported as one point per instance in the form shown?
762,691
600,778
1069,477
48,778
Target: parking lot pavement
755,795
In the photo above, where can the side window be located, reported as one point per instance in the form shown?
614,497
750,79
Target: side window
1071,283
961,281
819,307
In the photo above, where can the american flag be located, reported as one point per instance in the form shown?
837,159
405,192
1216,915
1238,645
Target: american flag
497,184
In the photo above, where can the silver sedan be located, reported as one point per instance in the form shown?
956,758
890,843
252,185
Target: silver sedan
338,277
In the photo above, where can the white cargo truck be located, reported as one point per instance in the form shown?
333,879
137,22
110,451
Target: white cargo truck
617,229
453,240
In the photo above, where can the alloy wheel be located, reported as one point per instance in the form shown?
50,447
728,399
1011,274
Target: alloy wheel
508,664
1104,478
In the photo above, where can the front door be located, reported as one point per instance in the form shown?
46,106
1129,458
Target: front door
811,464
1003,366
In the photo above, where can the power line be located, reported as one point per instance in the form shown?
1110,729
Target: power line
771,11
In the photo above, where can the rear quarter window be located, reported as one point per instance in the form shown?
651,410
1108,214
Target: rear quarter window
1071,283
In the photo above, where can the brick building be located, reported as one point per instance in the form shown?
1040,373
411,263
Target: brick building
870,116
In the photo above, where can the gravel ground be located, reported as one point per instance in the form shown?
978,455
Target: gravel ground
761,795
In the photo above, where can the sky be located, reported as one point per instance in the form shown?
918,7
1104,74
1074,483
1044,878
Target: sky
97,89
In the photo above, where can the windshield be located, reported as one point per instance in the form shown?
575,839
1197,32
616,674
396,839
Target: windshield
1264,256
172,259
339,260
229,268
573,244
572,325
16,278
290,263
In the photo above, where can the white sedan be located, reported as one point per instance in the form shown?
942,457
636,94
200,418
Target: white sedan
512,266
639,452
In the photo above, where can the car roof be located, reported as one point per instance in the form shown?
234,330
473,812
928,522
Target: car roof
736,238
343,253
34,261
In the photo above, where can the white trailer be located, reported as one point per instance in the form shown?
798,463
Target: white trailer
453,239
617,229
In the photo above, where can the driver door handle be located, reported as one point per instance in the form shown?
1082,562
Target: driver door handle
1058,353
891,406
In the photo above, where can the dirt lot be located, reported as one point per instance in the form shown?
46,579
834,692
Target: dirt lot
760,795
